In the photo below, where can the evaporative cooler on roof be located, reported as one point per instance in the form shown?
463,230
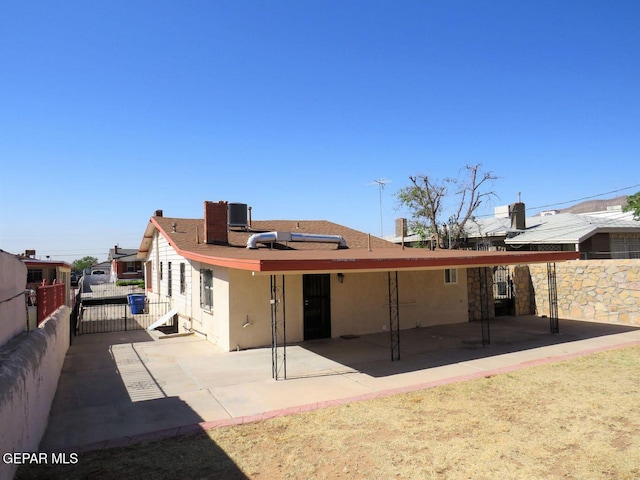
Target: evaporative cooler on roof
237,215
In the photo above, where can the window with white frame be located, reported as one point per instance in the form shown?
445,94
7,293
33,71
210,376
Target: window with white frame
183,285
169,279
450,276
206,289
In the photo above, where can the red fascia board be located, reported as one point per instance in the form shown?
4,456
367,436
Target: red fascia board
44,263
237,263
400,263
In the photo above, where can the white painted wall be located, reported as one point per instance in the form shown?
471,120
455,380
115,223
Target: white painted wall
28,381
13,280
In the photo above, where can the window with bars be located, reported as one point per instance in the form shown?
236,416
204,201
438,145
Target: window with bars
625,246
34,276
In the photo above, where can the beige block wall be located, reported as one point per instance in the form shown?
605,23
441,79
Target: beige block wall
31,366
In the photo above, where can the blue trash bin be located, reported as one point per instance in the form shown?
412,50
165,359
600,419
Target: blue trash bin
136,302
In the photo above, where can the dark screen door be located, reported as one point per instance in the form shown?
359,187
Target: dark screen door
317,306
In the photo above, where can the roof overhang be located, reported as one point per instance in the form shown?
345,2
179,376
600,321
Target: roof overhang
360,265
45,263
266,261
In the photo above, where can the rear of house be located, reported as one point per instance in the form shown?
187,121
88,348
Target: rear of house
321,288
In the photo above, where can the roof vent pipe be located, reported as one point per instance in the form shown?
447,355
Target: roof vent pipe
270,237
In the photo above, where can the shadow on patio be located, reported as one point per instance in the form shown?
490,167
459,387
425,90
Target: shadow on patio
113,393
436,346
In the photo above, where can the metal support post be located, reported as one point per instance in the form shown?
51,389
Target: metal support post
394,315
554,324
485,320
278,330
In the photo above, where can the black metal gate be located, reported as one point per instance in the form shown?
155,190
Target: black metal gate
503,291
106,308
107,316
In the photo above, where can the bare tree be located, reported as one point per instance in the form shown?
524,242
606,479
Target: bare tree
425,199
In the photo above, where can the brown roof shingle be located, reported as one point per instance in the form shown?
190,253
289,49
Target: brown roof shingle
364,252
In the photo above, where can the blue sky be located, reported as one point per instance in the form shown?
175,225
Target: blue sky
111,110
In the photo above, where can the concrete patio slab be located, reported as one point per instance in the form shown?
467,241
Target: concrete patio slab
117,388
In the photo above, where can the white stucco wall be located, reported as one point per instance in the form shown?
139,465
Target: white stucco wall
31,365
13,314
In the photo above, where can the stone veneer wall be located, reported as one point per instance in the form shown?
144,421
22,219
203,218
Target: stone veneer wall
523,293
473,293
602,290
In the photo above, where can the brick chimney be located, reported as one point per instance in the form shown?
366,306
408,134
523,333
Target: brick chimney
517,214
401,227
215,222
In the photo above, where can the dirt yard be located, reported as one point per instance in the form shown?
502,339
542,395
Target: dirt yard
578,419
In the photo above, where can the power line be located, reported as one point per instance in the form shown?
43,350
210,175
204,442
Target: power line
587,198
488,215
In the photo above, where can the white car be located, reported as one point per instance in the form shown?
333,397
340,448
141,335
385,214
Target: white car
98,276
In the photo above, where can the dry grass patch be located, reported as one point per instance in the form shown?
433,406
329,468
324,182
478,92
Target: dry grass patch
575,419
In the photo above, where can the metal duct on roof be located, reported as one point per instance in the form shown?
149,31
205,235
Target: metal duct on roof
270,237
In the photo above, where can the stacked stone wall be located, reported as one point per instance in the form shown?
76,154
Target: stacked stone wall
601,290
523,293
474,293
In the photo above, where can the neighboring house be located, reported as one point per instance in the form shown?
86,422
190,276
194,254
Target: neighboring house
234,280
124,264
596,235
49,271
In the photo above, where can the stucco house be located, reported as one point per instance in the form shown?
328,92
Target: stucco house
49,271
241,283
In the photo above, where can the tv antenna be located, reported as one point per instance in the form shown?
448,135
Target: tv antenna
381,182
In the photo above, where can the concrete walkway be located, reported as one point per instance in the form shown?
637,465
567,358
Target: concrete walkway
121,388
